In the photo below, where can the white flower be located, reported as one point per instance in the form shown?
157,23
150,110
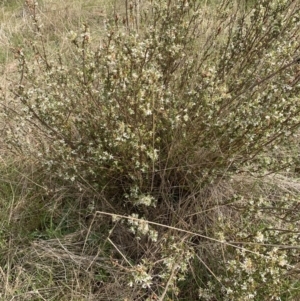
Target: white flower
282,261
148,112
250,297
221,236
115,218
259,237
143,227
153,235
141,277
248,265
146,200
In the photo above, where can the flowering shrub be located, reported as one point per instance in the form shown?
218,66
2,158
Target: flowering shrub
258,260
143,101
148,114
107,113
173,266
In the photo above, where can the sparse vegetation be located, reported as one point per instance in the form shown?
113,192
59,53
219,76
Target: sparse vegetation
150,151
